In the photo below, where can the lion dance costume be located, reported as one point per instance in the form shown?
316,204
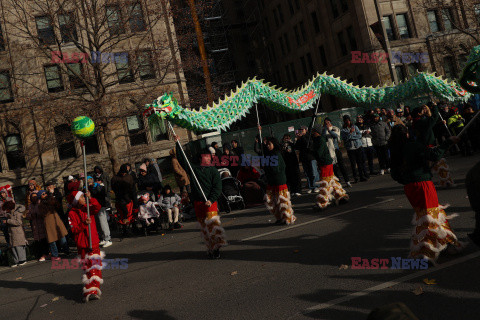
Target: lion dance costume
92,259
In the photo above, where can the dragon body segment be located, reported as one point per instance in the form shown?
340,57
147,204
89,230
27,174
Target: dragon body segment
239,102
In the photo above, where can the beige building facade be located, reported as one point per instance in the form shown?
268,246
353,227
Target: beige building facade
39,99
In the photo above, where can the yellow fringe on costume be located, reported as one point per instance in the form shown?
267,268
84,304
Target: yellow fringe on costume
279,204
443,171
432,233
213,232
330,190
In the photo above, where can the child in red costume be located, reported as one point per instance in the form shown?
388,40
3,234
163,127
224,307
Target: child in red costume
92,260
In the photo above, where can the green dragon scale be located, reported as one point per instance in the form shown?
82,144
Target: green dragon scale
236,105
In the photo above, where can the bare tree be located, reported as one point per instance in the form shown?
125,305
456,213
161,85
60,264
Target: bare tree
90,55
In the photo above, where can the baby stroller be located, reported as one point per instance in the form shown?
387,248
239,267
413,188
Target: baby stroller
231,196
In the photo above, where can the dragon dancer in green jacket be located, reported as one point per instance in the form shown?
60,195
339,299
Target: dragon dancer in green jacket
277,197
411,167
330,187
206,210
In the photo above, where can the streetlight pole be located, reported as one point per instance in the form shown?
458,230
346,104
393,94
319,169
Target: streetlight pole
391,65
203,54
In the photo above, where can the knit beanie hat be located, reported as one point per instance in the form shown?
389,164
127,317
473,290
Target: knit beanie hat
39,193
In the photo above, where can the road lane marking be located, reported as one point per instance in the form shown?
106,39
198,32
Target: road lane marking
315,220
331,303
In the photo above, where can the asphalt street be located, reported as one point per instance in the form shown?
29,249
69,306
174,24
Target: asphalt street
270,271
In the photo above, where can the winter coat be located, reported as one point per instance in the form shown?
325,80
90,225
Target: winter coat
275,172
353,140
380,133
180,174
58,197
38,224
366,137
305,155
394,121
76,218
456,123
424,127
53,224
15,227
98,192
321,152
27,199
101,176
148,211
124,188
168,201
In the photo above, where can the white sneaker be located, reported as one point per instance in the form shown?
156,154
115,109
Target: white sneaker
107,244
102,243
382,172
317,190
14,266
23,263
309,191
349,184
297,194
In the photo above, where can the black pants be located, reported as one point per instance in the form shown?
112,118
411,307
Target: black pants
383,160
369,153
340,165
357,160
4,228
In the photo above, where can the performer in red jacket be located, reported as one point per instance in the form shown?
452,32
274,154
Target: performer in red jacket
92,260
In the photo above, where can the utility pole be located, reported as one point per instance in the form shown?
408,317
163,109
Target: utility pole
391,65
203,54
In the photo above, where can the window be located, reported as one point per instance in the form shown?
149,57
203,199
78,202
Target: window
68,31
342,43
388,25
14,150
65,143
351,38
137,23
447,19
114,20
323,56
449,67
124,72
46,35
145,66
53,77
477,12
6,94
402,24
75,75
316,25
304,65
135,131
159,132
310,62
344,5
297,36
400,73
333,4
91,145
2,44
432,20
302,30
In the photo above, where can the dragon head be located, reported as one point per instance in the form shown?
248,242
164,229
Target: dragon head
470,77
164,106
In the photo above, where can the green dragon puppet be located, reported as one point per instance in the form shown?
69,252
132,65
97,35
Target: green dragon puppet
239,102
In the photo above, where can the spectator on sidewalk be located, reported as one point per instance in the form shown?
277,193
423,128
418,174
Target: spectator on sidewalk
237,150
99,175
146,181
368,149
32,187
181,177
154,170
170,202
352,138
380,135
99,193
125,199
52,191
332,134
14,214
38,228
148,213
3,214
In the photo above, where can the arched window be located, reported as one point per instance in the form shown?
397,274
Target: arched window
14,150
